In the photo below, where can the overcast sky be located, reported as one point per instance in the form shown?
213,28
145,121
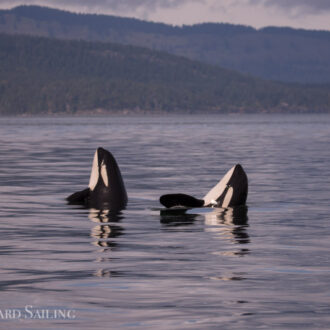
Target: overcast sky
308,14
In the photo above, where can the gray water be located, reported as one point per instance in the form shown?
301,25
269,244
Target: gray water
264,268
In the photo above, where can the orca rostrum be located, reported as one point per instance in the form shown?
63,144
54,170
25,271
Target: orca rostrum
230,191
106,189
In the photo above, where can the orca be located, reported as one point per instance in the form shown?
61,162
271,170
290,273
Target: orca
106,189
230,191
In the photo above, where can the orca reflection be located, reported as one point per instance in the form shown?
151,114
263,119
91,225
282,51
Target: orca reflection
107,228
230,191
106,188
229,223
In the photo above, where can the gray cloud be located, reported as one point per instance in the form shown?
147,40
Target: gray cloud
257,13
302,6
103,5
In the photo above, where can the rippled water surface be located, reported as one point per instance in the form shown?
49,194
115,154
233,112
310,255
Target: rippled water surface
264,268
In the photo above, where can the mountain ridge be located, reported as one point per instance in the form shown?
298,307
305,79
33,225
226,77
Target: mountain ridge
272,53
46,75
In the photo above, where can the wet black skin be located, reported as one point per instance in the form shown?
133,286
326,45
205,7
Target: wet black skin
113,197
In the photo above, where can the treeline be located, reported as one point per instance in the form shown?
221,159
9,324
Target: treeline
281,54
43,75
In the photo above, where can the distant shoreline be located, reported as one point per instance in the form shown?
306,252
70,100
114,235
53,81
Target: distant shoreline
155,114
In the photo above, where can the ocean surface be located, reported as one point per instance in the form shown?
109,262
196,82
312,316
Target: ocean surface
266,267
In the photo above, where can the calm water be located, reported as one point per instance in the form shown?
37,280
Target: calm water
267,268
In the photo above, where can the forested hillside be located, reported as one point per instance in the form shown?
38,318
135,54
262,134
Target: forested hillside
44,75
281,54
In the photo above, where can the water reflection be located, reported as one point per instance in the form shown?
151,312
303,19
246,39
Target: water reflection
230,224
104,216
180,219
228,278
107,228
104,233
230,216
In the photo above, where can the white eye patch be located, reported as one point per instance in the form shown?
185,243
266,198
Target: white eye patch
228,197
104,174
94,174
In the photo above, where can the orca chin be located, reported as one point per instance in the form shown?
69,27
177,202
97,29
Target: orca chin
106,189
230,191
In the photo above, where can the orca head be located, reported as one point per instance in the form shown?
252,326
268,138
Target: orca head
230,191
107,190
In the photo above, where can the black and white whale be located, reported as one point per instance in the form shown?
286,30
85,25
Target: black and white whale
230,191
106,189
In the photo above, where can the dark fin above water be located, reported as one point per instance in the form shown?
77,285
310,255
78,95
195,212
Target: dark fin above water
172,200
79,197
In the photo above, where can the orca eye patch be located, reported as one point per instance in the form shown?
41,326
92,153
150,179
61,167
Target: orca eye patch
228,197
94,173
104,174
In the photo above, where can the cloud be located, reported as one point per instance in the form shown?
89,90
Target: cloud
310,14
298,6
103,5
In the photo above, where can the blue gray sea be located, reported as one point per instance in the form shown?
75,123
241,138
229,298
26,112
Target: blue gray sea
65,267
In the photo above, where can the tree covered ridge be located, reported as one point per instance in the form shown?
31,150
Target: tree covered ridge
44,75
282,54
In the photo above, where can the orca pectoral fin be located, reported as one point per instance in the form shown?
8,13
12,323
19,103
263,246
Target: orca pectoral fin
172,200
78,197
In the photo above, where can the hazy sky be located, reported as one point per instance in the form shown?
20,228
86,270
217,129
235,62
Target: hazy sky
309,14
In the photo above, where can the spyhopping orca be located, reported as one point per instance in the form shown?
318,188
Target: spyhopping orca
230,191
106,188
